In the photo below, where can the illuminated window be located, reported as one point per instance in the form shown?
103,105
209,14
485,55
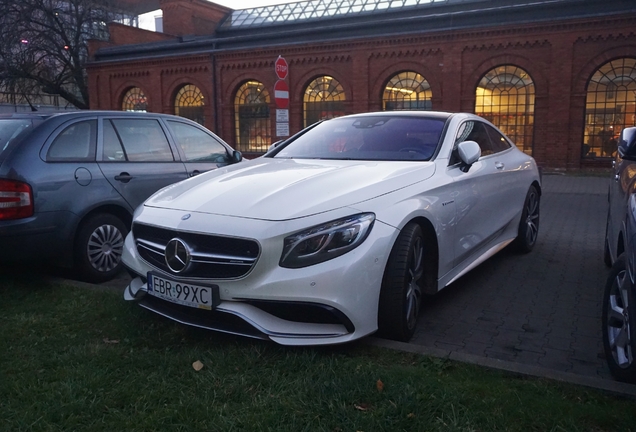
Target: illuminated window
135,100
610,106
407,91
505,97
251,117
324,99
189,103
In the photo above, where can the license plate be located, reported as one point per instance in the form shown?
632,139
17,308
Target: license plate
197,296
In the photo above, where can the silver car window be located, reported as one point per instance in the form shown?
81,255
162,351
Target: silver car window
74,143
143,140
197,145
10,129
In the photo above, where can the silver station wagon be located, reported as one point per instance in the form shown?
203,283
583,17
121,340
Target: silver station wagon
70,182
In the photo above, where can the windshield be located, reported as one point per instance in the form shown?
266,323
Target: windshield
9,130
369,138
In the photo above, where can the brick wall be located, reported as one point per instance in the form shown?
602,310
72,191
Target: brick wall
560,57
191,17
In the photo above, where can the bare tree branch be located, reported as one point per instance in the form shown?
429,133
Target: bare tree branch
44,45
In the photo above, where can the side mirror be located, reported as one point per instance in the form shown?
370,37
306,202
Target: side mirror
627,143
469,152
237,156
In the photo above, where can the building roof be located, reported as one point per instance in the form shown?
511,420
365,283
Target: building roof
313,22
314,10
137,7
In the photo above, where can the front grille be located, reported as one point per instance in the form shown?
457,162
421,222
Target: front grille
211,256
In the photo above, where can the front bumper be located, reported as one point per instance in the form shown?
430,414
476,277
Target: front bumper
328,303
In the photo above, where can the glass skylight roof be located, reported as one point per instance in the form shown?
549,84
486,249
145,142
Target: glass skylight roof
313,9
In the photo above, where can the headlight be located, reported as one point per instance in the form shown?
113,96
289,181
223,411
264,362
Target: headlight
327,241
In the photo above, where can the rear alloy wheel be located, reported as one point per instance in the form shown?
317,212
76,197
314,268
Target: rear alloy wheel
401,293
607,256
619,323
529,224
98,247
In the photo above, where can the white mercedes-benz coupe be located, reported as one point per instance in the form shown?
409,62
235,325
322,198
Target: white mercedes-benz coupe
336,232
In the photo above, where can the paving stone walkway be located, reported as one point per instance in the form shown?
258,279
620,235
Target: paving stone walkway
543,308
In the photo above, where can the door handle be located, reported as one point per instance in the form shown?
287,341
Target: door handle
195,172
499,165
123,177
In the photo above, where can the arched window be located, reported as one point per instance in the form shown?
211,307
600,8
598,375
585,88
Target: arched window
134,100
610,106
324,98
251,117
505,97
407,91
189,103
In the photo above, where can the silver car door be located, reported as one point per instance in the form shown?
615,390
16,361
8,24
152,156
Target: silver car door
137,159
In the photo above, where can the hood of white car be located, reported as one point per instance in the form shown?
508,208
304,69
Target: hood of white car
282,189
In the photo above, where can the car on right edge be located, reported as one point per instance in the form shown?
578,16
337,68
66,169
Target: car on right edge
619,298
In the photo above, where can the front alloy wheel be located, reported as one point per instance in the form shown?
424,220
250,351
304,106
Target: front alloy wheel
401,293
529,224
619,323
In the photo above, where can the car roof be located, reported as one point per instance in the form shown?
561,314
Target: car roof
80,113
427,114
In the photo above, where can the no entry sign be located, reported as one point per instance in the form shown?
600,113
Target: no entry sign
281,68
281,94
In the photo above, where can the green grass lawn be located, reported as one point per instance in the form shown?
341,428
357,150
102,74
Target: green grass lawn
75,359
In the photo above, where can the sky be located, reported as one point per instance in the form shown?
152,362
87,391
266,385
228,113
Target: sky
147,21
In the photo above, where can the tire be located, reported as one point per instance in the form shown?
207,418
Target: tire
619,323
401,292
529,224
607,258
99,244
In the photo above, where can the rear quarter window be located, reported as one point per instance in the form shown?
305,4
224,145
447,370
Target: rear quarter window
76,142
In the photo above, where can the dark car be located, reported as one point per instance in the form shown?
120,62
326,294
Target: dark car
619,299
70,182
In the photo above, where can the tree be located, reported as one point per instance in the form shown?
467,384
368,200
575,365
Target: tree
44,45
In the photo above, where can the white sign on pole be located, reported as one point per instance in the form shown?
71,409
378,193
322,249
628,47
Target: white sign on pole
282,115
282,129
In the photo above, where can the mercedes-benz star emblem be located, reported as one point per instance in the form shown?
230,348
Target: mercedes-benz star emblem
177,255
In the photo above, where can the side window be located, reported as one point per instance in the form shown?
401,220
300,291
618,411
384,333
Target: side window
75,143
499,142
197,145
143,140
476,131
113,150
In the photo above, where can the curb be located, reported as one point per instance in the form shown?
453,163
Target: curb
614,387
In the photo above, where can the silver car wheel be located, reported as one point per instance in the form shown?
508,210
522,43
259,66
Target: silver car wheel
105,247
532,211
618,328
414,292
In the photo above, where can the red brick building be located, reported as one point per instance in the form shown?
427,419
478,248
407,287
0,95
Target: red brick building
558,76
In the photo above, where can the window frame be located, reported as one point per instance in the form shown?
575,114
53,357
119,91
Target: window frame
182,153
45,152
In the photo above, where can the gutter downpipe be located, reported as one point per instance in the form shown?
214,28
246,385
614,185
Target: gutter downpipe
214,89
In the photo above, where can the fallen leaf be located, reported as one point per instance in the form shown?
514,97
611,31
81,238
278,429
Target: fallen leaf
361,407
111,341
197,365
380,385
